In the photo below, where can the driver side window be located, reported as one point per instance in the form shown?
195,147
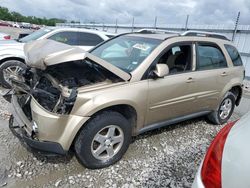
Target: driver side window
178,58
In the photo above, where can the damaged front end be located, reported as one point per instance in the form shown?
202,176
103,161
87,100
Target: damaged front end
56,71
46,90
44,94
55,89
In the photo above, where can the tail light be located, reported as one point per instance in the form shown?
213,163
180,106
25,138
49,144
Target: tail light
211,168
7,37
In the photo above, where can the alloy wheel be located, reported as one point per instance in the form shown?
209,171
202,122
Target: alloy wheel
225,108
12,72
107,142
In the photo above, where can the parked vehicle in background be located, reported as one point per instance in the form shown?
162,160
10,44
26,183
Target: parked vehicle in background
36,27
12,55
4,36
226,163
25,25
15,24
96,101
6,24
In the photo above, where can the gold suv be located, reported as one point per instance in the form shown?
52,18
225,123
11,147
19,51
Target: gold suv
94,102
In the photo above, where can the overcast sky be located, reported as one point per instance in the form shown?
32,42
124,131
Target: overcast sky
144,11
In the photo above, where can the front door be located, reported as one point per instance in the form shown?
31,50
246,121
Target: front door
173,95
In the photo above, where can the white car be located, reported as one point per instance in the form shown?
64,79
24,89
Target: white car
227,164
4,36
15,24
12,55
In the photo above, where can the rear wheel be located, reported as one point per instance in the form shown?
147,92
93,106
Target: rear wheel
103,141
225,110
10,69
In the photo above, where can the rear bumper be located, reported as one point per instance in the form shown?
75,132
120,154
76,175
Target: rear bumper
47,148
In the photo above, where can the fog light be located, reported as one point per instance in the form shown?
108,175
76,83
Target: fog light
34,127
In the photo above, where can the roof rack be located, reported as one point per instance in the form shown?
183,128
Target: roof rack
156,31
204,34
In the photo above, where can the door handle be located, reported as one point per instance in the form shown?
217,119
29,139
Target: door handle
224,74
190,80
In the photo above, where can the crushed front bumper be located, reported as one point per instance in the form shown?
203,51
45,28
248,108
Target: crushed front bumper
42,130
47,148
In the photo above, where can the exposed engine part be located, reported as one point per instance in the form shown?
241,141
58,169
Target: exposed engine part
56,87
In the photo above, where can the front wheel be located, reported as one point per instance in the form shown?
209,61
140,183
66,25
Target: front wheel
103,141
10,69
225,110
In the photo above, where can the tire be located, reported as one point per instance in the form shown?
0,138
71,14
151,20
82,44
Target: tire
86,145
215,117
11,64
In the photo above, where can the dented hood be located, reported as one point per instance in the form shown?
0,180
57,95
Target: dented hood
42,53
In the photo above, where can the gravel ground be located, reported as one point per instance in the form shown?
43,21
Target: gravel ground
167,157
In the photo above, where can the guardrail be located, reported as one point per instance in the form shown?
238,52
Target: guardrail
240,34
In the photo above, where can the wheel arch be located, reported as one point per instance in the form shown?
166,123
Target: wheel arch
237,91
235,86
128,111
12,58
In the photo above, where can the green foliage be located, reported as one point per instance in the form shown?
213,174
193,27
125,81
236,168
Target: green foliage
5,14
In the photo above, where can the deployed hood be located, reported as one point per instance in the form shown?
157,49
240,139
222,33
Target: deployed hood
42,53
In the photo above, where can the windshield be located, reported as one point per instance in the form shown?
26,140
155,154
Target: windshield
126,52
35,35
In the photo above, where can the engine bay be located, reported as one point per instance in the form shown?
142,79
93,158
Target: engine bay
55,88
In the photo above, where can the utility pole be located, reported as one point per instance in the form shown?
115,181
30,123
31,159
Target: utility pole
155,22
236,26
116,25
133,22
186,24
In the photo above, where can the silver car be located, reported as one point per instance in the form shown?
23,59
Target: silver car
227,164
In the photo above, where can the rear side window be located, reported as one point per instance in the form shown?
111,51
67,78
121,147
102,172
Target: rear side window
66,37
234,54
88,39
209,56
110,36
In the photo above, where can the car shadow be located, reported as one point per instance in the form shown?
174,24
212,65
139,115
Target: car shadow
52,158
171,127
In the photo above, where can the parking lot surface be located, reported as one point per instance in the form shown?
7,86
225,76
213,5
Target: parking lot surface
168,157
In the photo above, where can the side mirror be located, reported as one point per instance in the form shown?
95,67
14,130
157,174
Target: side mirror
161,70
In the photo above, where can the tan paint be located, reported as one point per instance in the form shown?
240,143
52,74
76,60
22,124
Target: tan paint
45,52
153,100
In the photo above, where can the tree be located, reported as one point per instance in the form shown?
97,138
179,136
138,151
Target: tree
6,15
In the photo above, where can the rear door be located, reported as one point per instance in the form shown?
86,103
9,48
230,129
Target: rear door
211,75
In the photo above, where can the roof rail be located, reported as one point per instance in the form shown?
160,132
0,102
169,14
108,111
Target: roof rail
156,31
204,34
